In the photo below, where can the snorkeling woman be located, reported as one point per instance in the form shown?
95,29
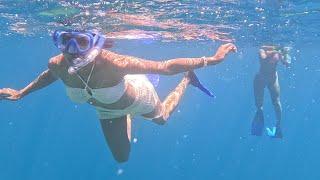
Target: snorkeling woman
114,84
268,77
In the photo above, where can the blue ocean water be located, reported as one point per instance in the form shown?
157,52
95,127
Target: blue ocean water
46,136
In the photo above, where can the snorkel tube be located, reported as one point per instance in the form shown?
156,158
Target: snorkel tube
82,61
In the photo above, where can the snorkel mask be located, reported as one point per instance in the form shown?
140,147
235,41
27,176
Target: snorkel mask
82,46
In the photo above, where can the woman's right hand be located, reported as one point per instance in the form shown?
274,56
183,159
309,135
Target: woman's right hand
223,50
10,94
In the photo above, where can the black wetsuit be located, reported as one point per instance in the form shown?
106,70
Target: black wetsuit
267,77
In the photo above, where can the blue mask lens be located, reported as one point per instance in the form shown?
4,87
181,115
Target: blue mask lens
83,42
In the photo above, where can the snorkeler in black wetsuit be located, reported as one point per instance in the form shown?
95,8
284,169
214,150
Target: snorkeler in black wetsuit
268,77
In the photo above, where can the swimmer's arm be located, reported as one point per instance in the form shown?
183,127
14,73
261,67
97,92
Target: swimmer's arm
269,47
133,65
264,54
43,80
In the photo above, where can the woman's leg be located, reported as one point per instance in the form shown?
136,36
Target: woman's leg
274,88
117,133
171,101
258,86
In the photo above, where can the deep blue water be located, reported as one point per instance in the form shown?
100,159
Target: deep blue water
46,136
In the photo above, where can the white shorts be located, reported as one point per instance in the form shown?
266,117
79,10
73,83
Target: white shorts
145,101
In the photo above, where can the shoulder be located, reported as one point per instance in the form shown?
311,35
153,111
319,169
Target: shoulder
113,61
55,62
110,57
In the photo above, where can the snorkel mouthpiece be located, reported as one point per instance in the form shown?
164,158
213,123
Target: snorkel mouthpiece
80,62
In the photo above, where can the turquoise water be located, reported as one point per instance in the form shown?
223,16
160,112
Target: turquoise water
46,136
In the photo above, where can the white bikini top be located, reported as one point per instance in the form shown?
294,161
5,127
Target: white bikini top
107,95
104,95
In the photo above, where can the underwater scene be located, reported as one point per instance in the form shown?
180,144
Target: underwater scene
162,89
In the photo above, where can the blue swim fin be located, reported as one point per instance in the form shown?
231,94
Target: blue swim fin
274,132
194,80
257,124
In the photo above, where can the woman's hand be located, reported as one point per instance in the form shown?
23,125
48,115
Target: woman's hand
10,94
223,50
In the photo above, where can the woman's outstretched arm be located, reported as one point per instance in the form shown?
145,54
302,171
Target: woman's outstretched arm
43,80
133,65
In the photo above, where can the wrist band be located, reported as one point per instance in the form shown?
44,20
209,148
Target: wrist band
205,61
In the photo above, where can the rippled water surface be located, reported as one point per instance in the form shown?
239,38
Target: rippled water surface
229,20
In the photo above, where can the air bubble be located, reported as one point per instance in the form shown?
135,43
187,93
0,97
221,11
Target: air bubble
119,172
135,140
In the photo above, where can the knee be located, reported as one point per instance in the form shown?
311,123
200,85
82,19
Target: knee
276,102
121,154
160,120
259,109
121,157
258,102
259,106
